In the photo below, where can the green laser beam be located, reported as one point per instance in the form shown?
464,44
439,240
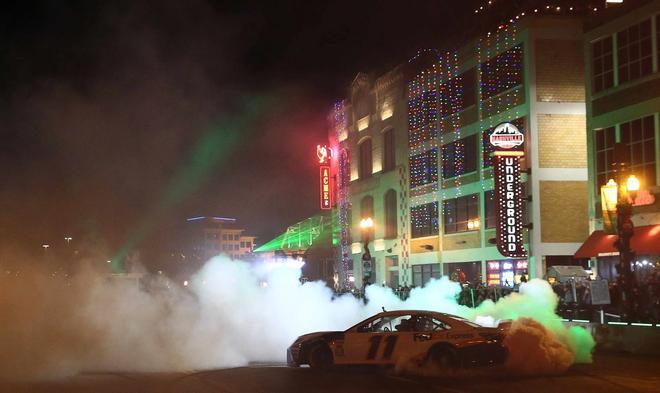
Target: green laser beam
214,147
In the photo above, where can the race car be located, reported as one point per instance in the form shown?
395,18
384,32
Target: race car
422,337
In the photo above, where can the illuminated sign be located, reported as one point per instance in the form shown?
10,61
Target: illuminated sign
506,136
326,194
323,153
508,191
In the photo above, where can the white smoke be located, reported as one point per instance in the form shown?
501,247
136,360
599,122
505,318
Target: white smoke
225,317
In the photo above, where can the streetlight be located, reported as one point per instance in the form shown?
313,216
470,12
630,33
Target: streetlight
619,200
68,239
366,225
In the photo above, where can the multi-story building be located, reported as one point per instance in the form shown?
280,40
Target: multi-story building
369,135
622,56
429,184
210,236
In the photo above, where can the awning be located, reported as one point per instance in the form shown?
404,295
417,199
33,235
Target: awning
645,241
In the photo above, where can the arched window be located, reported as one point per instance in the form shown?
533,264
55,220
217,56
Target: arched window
390,215
367,210
389,151
365,162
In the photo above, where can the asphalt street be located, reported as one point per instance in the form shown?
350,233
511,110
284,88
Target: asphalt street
609,373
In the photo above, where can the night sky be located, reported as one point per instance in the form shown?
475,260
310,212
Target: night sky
101,106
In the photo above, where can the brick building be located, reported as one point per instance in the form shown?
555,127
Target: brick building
429,191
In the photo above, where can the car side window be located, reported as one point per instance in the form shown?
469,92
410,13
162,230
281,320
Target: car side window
428,324
370,326
388,324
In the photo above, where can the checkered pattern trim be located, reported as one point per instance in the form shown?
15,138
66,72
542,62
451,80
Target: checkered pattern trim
404,217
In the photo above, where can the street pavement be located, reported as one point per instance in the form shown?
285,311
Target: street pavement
609,373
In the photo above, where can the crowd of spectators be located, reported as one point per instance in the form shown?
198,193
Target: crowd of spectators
578,302
572,303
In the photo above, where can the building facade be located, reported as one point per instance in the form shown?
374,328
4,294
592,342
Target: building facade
207,237
622,56
431,194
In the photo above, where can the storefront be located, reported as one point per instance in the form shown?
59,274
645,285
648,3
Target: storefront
600,247
463,271
506,272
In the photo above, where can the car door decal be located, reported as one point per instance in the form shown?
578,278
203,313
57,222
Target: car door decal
390,342
373,348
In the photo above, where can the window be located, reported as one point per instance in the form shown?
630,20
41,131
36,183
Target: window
242,244
634,51
224,236
489,207
367,210
424,219
459,212
390,215
235,247
501,73
459,157
236,237
423,273
639,136
427,324
605,140
487,148
602,64
389,156
365,163
424,168
458,93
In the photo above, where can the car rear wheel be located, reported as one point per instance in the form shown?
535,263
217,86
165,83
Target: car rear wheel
444,358
320,357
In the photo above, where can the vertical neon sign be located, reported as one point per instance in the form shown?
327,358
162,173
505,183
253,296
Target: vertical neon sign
324,154
508,141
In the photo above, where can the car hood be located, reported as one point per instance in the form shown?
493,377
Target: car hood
317,335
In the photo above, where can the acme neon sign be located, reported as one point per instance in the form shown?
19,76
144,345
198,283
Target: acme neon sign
326,194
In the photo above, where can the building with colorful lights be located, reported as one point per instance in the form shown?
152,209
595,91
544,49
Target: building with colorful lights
622,56
414,144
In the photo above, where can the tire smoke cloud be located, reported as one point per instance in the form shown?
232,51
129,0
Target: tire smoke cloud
232,313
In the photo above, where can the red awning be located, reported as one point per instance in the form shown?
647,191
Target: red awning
645,241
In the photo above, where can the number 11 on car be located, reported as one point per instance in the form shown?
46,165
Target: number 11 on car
390,342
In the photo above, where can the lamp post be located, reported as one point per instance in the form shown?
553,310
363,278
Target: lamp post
619,199
366,225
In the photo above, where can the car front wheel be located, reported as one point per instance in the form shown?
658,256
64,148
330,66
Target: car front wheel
320,357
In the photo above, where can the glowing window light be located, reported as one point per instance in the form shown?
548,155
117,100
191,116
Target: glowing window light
386,112
356,248
377,165
363,123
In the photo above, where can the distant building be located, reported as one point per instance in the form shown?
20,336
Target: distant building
206,237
